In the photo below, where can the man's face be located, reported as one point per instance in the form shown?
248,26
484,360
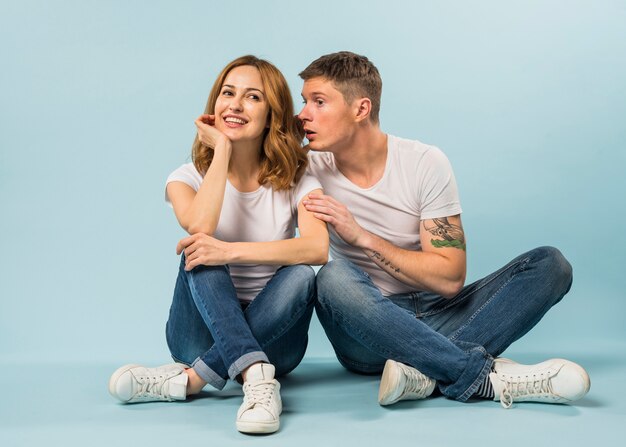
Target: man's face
328,121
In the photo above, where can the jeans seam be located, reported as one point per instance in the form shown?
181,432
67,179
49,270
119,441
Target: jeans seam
214,329
454,302
475,314
386,353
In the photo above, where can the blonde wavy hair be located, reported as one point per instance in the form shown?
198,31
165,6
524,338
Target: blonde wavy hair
283,159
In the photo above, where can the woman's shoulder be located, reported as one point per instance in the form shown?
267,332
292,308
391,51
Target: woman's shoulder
186,173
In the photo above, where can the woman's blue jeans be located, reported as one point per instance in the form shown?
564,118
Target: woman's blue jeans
219,337
453,340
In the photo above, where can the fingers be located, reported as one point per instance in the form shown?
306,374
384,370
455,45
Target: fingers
321,203
195,249
192,263
192,256
189,244
204,121
323,197
319,208
184,243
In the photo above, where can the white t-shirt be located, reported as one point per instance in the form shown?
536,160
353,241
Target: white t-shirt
418,184
258,216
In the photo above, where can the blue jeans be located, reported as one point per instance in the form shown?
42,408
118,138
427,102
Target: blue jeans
209,329
453,340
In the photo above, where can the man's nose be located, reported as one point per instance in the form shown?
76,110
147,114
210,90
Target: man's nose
303,115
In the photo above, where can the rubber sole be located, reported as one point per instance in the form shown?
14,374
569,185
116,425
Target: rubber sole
389,389
258,427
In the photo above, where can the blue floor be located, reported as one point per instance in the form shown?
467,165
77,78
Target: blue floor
54,404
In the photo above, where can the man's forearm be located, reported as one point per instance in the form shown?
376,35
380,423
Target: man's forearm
428,271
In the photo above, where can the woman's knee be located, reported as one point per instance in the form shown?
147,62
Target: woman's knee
291,289
302,276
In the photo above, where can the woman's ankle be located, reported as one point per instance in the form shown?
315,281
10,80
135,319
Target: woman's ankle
194,383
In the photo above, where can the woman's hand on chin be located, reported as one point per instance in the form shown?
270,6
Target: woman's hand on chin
208,134
202,249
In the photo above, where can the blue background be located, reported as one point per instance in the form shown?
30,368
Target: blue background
527,99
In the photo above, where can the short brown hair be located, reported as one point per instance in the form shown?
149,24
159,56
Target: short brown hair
283,159
353,75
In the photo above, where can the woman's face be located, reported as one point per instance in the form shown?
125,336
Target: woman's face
241,109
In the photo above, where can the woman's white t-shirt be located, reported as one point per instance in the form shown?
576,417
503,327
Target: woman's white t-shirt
258,216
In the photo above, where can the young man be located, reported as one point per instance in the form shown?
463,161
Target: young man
393,299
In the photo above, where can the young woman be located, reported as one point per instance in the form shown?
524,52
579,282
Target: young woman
244,295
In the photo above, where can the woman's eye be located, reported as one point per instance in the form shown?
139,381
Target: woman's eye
319,102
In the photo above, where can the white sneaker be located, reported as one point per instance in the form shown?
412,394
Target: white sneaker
261,407
134,383
552,381
401,382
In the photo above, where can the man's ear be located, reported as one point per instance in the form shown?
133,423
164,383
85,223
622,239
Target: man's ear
363,109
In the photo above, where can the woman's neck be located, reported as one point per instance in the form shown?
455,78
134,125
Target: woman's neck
244,166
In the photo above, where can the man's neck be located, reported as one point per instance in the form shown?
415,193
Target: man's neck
364,159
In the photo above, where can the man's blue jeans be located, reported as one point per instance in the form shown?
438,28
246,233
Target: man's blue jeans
452,340
209,329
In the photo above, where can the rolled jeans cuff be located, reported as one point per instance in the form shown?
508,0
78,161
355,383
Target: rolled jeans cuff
207,374
245,361
478,354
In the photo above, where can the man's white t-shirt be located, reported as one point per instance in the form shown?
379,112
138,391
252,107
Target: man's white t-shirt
418,184
258,216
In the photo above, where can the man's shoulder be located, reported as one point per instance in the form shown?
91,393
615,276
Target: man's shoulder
321,160
410,147
414,152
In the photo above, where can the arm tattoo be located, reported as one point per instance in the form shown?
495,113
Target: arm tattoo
451,235
382,260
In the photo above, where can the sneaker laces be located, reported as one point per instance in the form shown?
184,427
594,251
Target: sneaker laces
416,382
259,393
523,386
152,387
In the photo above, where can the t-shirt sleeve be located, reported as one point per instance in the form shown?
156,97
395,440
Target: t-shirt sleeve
187,174
439,195
306,184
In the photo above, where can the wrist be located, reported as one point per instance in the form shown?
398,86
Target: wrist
365,241
232,252
223,146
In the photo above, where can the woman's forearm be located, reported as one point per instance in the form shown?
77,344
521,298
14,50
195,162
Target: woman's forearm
203,213
301,250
